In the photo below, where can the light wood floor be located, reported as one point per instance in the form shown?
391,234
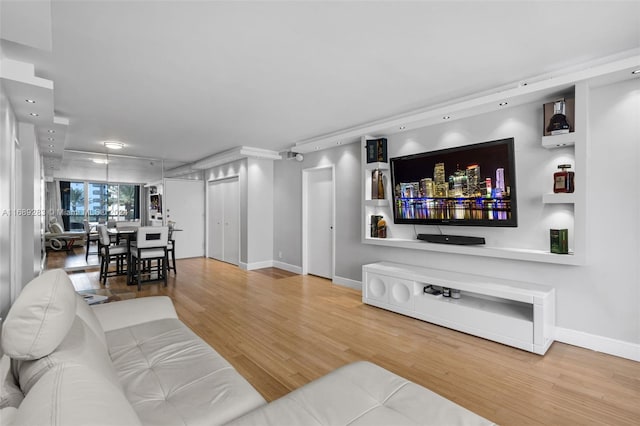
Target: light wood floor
282,330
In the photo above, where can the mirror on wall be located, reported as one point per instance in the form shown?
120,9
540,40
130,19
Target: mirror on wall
98,187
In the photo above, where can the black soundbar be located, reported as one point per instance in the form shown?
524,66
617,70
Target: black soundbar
460,240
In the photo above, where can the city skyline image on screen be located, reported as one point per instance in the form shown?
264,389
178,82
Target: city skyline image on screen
468,185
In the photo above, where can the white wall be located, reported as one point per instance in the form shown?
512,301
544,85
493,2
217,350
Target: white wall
259,213
31,200
599,301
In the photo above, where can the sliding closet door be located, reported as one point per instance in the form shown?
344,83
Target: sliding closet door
224,220
232,221
215,205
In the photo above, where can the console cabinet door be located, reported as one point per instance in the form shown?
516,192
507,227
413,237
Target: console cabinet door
389,290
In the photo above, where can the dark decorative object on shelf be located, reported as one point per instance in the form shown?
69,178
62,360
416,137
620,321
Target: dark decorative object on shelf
374,225
563,181
558,116
377,150
377,185
382,228
559,241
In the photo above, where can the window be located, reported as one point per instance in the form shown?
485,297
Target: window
72,197
98,202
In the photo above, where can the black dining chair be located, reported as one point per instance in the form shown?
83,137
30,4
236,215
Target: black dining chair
151,245
90,237
171,248
109,252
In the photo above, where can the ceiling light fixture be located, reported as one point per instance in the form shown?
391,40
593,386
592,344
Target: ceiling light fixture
31,101
33,114
51,131
446,117
636,71
50,145
403,127
51,150
100,161
113,145
503,103
50,139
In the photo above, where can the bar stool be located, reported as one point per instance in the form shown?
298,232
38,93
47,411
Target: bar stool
151,244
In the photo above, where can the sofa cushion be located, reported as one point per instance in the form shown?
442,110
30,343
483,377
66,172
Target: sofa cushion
75,395
361,394
80,346
172,377
10,393
125,313
40,317
87,314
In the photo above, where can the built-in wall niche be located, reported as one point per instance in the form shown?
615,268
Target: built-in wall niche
537,158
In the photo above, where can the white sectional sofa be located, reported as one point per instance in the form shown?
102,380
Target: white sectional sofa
134,362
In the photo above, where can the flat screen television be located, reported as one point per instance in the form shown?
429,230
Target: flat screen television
473,185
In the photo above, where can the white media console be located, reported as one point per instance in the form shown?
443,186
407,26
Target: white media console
514,313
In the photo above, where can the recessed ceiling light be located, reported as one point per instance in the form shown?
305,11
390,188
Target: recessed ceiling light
446,117
636,71
50,139
51,131
33,114
50,145
31,101
403,127
114,145
51,150
339,143
503,103
100,161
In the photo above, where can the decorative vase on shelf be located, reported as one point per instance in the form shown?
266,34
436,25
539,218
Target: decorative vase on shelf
558,124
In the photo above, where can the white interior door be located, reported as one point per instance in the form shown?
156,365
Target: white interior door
224,220
184,204
319,222
232,221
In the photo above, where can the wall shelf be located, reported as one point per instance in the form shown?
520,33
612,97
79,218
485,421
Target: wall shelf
377,203
377,165
560,198
529,255
559,141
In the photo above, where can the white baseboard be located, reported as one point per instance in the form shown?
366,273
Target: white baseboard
346,282
256,265
287,267
599,343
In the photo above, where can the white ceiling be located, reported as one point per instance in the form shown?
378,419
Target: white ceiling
183,80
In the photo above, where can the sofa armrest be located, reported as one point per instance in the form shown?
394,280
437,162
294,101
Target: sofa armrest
126,313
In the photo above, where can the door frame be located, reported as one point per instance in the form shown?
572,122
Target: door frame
207,215
305,217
